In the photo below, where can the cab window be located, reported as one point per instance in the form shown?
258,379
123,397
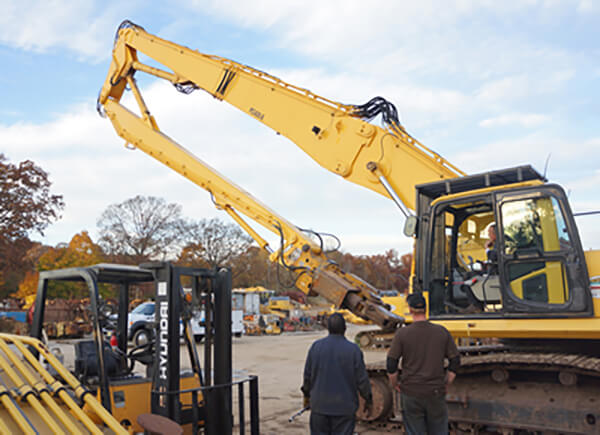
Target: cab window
533,229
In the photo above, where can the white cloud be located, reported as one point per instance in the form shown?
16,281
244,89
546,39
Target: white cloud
520,86
589,182
523,119
531,149
89,166
588,225
84,27
588,6
451,37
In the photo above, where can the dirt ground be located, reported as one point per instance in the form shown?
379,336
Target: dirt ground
278,361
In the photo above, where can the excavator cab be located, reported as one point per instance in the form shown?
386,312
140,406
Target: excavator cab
200,397
533,267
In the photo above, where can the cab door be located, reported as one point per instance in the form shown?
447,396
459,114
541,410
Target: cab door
539,254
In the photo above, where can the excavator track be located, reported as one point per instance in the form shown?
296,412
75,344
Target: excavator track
499,390
376,339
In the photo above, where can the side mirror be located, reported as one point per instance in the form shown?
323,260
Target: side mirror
410,226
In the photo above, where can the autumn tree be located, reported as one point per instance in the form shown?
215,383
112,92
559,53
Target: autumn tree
253,268
26,206
213,243
386,271
403,272
141,228
81,251
16,259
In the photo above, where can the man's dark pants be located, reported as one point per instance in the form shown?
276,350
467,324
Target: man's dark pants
424,415
331,424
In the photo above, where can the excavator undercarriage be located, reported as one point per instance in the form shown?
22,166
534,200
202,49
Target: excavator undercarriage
509,388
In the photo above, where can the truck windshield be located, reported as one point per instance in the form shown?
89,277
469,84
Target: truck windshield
144,309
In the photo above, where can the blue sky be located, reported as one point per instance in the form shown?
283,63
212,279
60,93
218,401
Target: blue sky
486,84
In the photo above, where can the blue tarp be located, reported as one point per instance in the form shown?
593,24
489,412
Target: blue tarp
19,316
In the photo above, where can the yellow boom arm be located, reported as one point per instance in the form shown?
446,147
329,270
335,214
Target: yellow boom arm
315,273
337,136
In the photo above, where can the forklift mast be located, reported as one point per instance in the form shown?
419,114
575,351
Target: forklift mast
211,289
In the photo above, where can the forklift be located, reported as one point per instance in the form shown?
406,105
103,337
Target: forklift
199,399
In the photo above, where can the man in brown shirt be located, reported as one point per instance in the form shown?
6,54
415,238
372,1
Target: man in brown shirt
423,347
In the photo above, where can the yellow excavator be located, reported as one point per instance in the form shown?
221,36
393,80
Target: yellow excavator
497,254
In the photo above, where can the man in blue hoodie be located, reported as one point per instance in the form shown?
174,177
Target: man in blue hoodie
334,374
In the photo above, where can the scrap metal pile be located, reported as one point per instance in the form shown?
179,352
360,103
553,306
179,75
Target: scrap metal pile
64,318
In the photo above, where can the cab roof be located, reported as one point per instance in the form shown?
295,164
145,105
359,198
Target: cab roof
105,273
478,181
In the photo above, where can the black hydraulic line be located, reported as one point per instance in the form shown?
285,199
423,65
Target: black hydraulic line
376,106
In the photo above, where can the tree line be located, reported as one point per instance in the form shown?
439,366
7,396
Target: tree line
141,229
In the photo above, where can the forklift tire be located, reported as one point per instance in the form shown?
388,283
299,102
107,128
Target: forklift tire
141,336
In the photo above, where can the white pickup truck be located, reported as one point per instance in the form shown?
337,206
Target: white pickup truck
141,318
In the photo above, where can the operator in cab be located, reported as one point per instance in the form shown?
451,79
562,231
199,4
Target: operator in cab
491,252
490,245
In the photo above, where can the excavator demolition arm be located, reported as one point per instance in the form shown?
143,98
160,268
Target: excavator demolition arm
386,160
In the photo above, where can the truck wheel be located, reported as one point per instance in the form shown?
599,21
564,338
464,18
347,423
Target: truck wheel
141,336
198,338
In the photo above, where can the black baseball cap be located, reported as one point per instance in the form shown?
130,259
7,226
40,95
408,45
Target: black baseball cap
416,301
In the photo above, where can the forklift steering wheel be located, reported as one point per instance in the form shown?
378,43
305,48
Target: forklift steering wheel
142,353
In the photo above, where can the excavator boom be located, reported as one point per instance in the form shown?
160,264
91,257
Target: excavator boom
337,136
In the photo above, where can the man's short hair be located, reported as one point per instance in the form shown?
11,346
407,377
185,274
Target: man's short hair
336,324
416,301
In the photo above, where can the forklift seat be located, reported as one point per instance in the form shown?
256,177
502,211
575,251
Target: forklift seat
86,360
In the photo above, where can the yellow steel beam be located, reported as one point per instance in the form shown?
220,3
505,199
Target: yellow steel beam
56,386
40,388
80,391
15,412
26,392
329,131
